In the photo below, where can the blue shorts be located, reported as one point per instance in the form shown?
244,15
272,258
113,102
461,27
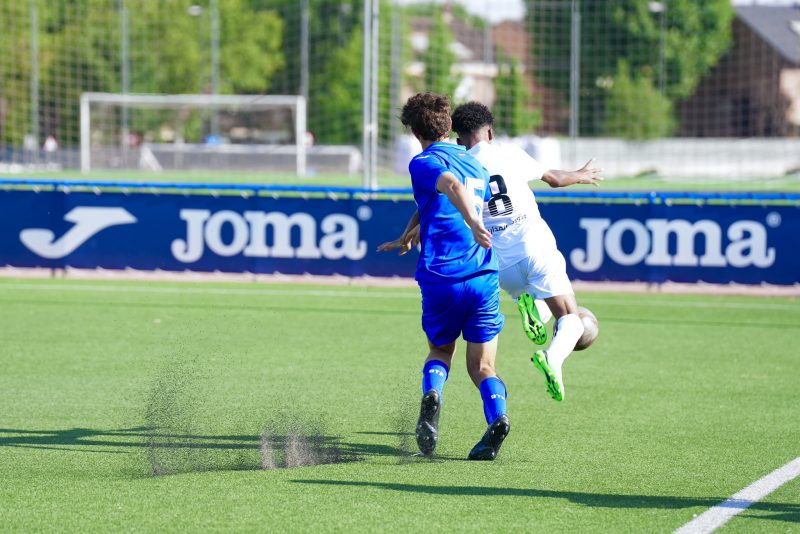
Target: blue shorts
470,308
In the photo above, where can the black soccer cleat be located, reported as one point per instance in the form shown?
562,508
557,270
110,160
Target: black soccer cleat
489,445
428,425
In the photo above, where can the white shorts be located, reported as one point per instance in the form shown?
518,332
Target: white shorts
541,277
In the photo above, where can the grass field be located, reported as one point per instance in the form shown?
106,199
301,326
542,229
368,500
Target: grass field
388,179
682,402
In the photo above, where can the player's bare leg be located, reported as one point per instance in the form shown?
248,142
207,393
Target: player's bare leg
567,331
481,369
480,360
443,353
437,365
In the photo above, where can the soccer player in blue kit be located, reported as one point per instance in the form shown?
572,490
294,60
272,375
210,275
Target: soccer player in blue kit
457,272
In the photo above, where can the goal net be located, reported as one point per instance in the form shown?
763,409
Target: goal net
193,132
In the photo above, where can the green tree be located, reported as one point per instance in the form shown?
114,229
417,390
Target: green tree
394,44
171,53
15,73
513,112
335,65
340,98
171,49
80,50
77,51
635,109
695,35
168,48
250,47
439,58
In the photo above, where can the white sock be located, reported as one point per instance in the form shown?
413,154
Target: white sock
569,331
544,311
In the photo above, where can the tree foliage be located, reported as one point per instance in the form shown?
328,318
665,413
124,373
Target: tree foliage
395,46
81,38
439,58
15,73
514,114
335,47
340,101
334,34
250,53
80,49
635,109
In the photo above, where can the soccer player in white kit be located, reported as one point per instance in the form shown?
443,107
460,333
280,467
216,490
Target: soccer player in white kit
531,266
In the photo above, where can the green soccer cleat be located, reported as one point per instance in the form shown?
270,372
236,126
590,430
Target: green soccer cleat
552,376
531,323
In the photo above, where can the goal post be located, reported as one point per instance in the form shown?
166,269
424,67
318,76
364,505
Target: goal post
258,126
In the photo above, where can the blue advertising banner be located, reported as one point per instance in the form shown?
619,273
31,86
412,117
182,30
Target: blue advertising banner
653,242
657,242
202,233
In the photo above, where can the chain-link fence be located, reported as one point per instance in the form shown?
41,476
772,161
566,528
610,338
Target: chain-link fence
663,93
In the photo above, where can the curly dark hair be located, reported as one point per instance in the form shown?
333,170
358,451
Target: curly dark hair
470,117
428,115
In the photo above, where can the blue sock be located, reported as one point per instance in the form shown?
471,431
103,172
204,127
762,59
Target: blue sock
493,393
434,375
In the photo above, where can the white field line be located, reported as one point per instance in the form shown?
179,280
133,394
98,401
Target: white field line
359,293
718,515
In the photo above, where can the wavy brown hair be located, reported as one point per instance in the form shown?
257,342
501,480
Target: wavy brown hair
428,115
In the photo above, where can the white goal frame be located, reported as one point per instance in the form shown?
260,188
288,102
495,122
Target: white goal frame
296,102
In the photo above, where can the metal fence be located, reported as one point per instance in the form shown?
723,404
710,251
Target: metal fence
670,90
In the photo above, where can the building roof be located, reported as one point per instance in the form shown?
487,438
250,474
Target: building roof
779,26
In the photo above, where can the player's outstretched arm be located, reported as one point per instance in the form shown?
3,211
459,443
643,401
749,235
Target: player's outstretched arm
455,191
407,241
404,243
585,175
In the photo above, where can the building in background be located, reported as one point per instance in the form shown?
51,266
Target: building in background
474,67
754,91
512,39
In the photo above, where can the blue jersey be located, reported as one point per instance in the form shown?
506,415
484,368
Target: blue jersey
449,251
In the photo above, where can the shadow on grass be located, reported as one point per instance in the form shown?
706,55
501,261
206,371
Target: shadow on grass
139,437
398,433
782,511
175,452
126,437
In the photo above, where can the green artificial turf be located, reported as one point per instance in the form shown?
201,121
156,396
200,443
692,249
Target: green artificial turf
682,402
387,179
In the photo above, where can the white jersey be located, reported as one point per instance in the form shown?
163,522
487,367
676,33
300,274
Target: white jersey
512,215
